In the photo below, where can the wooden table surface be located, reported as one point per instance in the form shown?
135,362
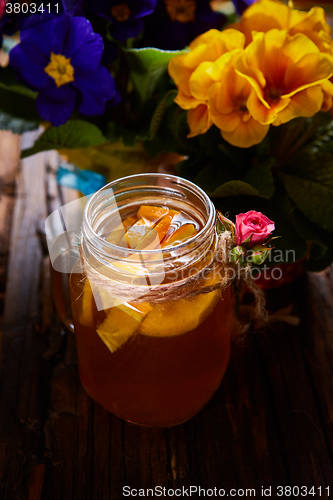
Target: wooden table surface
270,423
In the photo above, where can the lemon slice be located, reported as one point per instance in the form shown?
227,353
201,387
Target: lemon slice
121,323
87,306
177,317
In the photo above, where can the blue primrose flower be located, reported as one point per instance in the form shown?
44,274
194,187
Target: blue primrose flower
176,23
61,59
125,16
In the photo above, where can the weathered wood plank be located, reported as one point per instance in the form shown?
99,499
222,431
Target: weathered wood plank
23,370
9,160
318,332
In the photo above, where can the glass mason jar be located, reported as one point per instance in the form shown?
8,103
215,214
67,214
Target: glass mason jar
152,328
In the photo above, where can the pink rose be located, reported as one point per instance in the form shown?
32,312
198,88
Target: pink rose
254,227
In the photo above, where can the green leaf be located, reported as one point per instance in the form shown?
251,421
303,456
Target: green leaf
235,188
160,111
147,66
311,189
73,134
225,223
237,254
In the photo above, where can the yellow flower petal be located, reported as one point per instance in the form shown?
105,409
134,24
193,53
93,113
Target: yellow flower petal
227,123
207,47
219,42
265,15
247,134
313,24
217,67
261,112
278,67
313,68
220,101
228,105
327,87
305,103
199,120
201,81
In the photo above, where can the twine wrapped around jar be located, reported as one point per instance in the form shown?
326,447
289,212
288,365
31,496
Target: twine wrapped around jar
218,274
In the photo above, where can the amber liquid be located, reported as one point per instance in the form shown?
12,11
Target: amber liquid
161,375
155,381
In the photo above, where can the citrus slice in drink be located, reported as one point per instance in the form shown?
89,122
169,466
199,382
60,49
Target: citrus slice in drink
151,212
176,317
150,229
121,323
179,236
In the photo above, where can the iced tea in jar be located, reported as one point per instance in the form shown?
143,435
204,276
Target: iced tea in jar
152,323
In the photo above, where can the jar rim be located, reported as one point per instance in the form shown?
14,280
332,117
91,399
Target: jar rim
177,180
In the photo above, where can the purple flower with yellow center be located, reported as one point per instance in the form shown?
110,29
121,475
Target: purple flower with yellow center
61,59
176,23
126,17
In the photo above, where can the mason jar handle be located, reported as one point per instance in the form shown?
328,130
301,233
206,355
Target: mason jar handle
61,297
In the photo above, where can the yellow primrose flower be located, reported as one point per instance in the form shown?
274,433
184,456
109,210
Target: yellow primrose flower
327,87
228,105
285,73
265,15
203,50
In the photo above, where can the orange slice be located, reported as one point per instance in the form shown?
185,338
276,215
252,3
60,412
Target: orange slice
163,226
152,213
177,317
121,323
181,234
129,221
